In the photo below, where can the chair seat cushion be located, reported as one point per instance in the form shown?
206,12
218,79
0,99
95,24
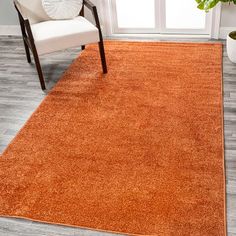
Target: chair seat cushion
51,36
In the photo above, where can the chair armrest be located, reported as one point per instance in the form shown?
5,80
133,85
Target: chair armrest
94,11
89,5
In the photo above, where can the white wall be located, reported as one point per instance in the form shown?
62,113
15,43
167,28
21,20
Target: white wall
8,18
228,19
228,15
8,15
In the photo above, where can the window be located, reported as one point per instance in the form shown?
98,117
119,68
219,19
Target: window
184,15
129,16
158,17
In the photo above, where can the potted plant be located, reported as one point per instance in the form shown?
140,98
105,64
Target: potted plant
231,37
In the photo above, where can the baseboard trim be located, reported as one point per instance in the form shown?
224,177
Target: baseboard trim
10,30
15,30
224,31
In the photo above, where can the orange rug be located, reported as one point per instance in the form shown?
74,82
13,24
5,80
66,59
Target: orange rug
138,151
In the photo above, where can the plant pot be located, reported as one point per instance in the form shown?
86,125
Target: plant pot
231,46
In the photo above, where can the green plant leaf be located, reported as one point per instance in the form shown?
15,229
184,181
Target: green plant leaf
209,4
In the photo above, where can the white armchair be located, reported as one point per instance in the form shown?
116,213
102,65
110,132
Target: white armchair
42,35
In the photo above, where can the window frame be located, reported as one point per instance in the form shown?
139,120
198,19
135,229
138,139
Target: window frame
111,29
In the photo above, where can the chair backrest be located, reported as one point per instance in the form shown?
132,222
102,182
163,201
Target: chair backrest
32,10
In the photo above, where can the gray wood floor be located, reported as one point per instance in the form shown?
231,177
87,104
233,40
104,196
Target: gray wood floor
20,94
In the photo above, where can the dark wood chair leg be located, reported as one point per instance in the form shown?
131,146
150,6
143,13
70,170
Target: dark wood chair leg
27,52
82,14
103,57
93,8
24,36
39,70
35,54
29,43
